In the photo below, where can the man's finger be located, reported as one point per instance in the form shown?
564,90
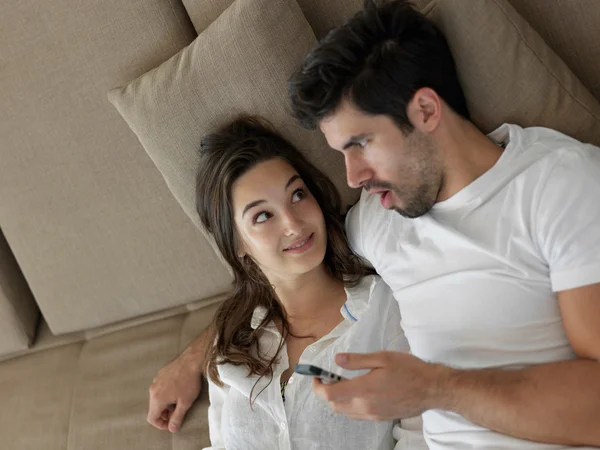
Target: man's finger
338,391
356,361
155,410
177,416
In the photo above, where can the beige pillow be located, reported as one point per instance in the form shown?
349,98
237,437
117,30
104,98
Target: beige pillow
508,72
322,15
240,64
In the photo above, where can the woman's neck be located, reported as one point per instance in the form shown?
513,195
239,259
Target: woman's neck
310,297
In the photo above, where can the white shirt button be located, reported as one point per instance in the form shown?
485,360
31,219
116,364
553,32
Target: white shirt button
283,425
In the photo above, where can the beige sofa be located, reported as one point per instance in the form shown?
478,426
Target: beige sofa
103,277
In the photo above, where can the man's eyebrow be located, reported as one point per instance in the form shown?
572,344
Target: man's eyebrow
258,202
355,139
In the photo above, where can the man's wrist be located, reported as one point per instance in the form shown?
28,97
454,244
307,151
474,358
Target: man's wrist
441,393
193,357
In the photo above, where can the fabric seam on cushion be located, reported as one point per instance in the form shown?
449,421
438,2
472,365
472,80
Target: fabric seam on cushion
542,62
186,14
75,384
178,352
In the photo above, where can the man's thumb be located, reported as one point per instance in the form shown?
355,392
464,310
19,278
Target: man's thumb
176,418
357,361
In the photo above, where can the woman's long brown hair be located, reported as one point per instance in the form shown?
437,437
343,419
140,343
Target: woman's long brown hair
225,156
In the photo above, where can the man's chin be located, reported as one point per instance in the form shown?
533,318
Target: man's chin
411,213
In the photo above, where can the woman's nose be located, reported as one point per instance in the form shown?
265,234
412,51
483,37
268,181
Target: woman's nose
292,223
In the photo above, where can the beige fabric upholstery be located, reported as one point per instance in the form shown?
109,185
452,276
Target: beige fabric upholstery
18,310
570,27
322,15
44,339
94,395
97,233
240,64
36,399
508,72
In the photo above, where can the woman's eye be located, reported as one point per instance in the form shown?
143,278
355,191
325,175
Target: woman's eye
262,217
298,195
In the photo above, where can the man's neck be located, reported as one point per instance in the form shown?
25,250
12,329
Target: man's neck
468,154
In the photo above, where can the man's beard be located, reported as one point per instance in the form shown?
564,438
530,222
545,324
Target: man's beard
418,200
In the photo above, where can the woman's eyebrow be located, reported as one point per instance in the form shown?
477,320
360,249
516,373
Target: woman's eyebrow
258,202
252,205
291,180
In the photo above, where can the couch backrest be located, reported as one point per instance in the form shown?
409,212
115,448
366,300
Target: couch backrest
95,230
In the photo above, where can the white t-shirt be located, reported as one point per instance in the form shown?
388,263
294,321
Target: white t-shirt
305,422
476,277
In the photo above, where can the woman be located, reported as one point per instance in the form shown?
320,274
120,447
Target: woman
300,295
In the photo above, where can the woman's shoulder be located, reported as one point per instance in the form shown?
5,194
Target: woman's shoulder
370,293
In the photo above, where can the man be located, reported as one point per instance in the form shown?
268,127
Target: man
491,245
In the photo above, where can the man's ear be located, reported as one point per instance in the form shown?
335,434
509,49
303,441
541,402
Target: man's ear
425,110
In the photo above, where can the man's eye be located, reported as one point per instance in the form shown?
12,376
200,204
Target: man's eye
261,217
298,195
359,144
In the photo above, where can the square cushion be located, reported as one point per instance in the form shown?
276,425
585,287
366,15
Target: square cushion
240,64
95,230
571,29
322,15
508,72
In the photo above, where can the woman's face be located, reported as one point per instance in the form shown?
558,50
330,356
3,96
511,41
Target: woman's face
279,222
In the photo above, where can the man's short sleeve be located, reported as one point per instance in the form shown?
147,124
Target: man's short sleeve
568,219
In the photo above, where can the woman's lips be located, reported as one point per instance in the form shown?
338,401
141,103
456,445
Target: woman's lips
306,244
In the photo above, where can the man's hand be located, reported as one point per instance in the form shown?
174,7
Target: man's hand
173,392
399,385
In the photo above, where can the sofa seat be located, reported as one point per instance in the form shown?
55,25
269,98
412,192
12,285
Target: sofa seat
94,394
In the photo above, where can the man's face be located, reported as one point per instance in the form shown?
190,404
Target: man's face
406,170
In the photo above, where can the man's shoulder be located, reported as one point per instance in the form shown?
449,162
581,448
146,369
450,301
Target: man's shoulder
553,142
541,154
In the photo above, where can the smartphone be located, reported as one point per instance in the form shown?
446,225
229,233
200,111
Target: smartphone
314,371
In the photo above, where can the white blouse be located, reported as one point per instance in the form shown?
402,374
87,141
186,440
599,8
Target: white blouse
304,421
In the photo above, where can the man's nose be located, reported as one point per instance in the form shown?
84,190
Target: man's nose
357,171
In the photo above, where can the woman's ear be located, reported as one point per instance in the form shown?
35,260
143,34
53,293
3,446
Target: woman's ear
240,246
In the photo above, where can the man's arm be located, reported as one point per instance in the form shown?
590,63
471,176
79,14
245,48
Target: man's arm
555,403
177,385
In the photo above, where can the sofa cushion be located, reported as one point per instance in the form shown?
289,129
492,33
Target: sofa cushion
322,15
240,64
94,228
94,395
571,29
508,72
18,311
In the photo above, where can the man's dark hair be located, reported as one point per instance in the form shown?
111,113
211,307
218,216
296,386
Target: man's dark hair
378,59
